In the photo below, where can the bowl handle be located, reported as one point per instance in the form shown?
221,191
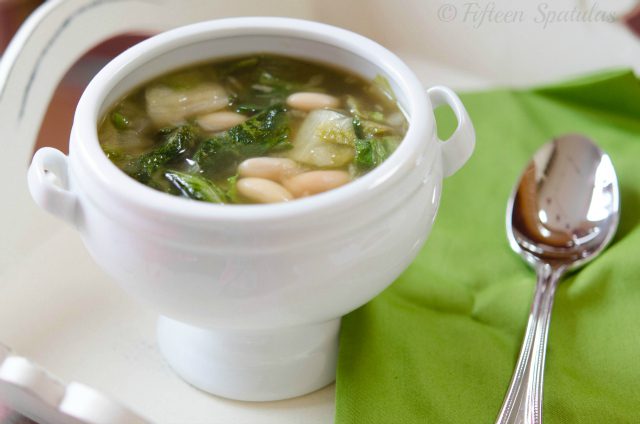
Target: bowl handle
457,149
48,179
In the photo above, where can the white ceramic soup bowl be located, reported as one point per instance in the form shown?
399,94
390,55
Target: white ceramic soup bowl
251,296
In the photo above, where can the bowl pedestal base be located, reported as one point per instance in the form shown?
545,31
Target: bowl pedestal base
252,365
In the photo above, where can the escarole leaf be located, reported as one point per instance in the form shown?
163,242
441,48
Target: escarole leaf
176,142
272,80
239,66
266,132
372,146
232,189
357,110
325,139
373,151
195,187
366,129
268,128
120,121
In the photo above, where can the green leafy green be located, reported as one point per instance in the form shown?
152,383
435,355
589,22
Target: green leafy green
269,128
119,121
249,108
373,151
371,147
232,189
376,116
129,115
218,154
265,132
246,107
195,187
268,91
364,154
270,83
278,85
239,66
357,110
373,129
176,142
357,127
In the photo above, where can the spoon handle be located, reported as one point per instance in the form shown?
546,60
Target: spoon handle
523,402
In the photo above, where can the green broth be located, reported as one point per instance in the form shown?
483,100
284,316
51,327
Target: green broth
186,133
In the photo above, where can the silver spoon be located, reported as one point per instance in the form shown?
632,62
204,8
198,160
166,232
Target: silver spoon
562,213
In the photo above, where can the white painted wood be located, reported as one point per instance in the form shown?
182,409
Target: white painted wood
31,390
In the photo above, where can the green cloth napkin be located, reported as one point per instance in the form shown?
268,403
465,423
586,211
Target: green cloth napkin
440,344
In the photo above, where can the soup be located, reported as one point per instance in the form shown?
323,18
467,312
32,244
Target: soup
253,129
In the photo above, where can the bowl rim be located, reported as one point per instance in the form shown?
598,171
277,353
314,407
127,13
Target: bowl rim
101,177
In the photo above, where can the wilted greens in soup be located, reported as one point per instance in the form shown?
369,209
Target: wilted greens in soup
254,129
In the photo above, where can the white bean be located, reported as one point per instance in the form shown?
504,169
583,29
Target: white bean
309,101
219,121
261,190
275,169
316,182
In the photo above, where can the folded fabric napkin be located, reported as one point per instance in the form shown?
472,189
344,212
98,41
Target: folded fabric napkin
440,344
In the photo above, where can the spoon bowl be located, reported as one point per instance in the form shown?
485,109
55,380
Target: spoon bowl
563,212
565,207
